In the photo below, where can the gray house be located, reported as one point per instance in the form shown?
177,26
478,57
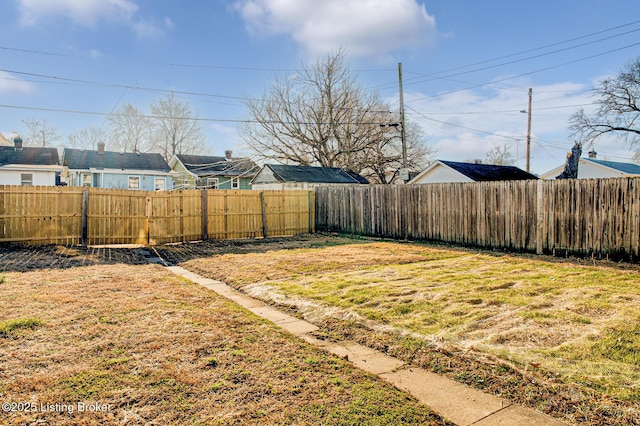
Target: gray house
119,170
280,176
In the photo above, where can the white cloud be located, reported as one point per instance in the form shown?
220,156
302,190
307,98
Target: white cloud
85,12
362,27
12,84
464,125
88,13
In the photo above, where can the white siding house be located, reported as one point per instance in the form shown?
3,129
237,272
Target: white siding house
452,171
591,168
29,166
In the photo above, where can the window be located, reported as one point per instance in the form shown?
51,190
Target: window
160,184
26,179
134,182
86,179
235,183
212,183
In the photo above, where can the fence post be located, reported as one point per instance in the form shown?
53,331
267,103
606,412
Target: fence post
149,212
310,212
264,215
539,217
85,217
205,216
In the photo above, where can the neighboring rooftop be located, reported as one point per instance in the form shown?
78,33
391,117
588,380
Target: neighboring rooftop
489,172
82,159
28,155
311,174
630,168
206,165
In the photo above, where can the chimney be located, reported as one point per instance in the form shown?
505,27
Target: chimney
100,147
593,154
227,154
18,143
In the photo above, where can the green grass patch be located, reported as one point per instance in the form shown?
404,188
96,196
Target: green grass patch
11,326
513,307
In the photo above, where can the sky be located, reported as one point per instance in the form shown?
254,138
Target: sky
467,66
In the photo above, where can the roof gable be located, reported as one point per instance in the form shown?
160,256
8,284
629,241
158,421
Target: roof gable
29,156
311,174
489,172
80,159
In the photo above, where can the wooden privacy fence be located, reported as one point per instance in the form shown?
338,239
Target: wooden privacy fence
599,217
75,215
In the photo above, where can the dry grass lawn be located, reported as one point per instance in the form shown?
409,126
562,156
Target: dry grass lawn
560,336
159,350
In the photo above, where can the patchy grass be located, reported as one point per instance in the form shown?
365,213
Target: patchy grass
9,327
571,329
159,350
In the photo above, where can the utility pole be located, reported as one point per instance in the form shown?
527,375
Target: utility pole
529,131
402,133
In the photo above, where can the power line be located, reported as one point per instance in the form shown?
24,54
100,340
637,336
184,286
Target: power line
120,86
39,52
521,53
216,120
527,73
464,127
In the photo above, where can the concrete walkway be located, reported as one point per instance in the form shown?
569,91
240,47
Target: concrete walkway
452,400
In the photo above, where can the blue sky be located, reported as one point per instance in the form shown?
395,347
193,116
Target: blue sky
467,65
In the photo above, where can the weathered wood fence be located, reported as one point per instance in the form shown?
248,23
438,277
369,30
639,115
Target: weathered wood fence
75,215
599,217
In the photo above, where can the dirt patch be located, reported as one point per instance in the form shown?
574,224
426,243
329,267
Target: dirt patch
18,258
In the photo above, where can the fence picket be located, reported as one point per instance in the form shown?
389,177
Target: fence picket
594,216
94,216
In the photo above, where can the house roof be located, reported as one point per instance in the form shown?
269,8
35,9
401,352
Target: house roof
311,174
489,172
630,168
29,156
82,159
205,165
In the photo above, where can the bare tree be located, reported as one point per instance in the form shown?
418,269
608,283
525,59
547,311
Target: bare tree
500,155
383,160
178,127
87,138
131,130
40,132
618,111
323,117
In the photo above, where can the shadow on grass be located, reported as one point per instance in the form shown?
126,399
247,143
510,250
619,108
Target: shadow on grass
24,258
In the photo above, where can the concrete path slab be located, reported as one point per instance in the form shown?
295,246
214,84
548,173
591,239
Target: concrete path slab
518,415
365,358
457,402
299,327
452,400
